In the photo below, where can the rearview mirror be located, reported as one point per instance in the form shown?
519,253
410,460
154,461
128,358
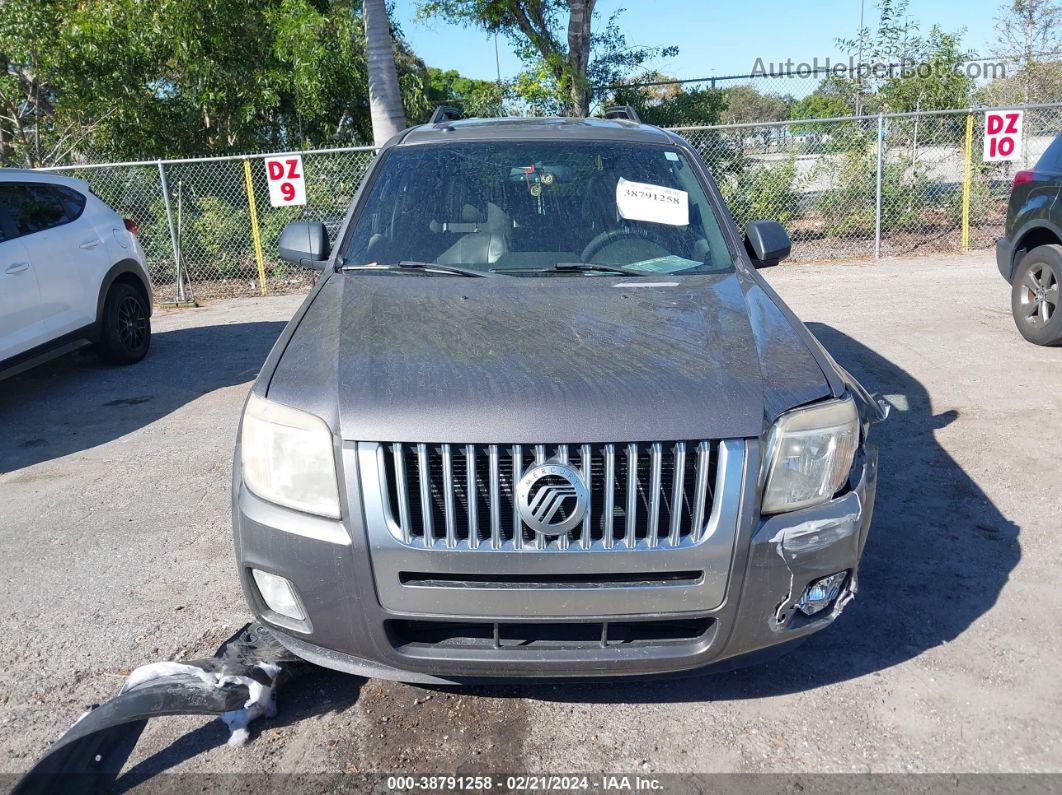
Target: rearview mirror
767,243
305,243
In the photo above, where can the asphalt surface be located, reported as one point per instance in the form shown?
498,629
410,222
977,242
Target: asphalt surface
115,538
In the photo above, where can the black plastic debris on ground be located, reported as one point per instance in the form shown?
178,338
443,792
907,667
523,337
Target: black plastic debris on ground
238,684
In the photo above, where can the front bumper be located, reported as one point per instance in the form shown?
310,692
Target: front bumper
353,599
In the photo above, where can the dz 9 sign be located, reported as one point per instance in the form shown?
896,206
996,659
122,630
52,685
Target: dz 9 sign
287,186
1003,135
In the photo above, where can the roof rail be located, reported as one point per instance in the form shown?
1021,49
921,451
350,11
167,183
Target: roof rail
444,113
622,112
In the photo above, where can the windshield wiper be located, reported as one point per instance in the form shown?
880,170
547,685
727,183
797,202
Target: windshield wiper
407,264
573,267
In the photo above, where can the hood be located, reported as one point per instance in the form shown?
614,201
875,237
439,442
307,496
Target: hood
559,359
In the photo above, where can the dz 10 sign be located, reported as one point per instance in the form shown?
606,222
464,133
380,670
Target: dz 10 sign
287,186
1003,135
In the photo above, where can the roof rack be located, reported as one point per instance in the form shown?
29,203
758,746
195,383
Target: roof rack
622,112
444,113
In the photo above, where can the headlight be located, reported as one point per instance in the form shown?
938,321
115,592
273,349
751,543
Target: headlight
809,454
287,458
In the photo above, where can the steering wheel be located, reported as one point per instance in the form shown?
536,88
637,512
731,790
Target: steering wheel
610,236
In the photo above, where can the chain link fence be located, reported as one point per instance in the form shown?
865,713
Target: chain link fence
823,179
200,245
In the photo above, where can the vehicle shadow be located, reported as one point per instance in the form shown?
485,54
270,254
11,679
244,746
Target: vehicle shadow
76,402
938,555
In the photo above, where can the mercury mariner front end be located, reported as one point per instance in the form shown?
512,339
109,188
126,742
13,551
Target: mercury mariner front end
463,561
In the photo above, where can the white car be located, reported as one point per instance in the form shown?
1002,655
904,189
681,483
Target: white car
71,274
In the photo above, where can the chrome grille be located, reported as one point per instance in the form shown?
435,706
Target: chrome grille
642,495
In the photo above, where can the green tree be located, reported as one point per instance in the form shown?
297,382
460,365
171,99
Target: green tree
120,79
745,104
474,97
1029,37
889,57
31,54
764,192
827,103
934,78
565,64
671,104
820,106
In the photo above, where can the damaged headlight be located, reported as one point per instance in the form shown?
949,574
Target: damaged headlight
287,458
809,454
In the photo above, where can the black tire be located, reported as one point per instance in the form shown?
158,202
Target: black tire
125,333
1034,296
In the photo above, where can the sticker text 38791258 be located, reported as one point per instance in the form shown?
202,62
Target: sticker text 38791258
640,201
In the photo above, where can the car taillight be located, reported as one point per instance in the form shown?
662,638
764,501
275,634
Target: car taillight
130,224
1022,178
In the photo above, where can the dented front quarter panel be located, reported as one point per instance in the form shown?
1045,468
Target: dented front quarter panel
788,551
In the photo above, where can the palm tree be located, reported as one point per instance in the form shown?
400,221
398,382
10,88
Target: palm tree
385,100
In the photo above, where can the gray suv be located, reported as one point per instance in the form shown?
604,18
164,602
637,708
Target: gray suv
540,416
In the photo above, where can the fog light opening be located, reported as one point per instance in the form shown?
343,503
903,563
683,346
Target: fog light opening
820,594
279,594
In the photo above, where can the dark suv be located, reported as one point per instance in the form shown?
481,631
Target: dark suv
1030,255
541,416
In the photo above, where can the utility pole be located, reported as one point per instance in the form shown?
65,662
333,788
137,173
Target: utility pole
500,111
859,66
497,60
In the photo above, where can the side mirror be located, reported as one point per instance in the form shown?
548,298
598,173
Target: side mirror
305,243
767,243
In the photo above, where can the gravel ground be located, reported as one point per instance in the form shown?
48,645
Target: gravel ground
114,522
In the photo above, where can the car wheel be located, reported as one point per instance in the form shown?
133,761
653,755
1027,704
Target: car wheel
126,332
1034,296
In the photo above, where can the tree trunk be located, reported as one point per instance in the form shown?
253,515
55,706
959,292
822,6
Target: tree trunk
385,100
580,13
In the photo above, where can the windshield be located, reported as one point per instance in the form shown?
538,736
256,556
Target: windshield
529,207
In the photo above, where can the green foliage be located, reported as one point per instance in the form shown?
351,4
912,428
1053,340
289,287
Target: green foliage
924,73
612,58
673,108
221,231
555,79
474,97
1035,82
745,104
890,42
989,191
848,209
936,81
537,88
764,193
819,106
827,103
125,79
1028,38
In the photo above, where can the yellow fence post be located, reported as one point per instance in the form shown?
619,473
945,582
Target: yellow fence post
256,235
966,183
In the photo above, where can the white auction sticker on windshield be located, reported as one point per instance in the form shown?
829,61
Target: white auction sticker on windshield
640,201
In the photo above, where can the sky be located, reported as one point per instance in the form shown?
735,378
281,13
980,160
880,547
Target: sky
720,38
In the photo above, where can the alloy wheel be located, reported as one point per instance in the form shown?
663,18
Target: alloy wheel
132,323
1039,295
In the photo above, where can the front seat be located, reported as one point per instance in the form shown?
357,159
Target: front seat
599,204
484,239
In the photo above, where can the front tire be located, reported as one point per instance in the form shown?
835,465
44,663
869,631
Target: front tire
1034,300
125,334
